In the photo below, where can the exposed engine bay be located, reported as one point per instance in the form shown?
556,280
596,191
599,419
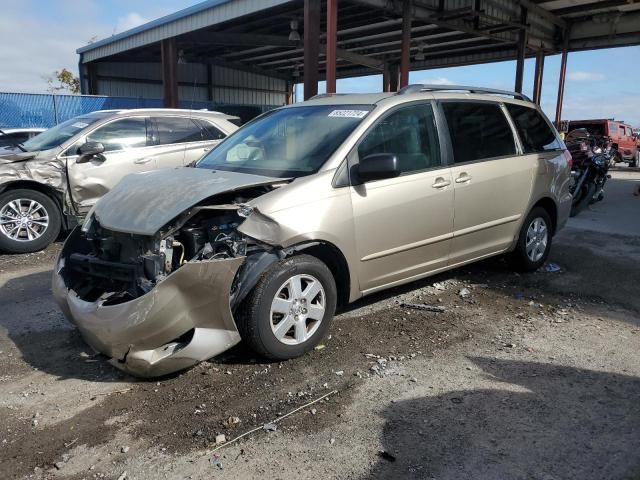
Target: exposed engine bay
116,267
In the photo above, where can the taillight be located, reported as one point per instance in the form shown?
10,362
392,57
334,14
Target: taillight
568,158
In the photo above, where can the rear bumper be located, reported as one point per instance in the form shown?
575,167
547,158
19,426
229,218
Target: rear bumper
185,319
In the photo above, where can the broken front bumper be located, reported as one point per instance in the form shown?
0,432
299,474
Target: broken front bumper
184,320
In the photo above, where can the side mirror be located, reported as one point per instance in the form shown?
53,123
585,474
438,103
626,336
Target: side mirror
89,150
378,166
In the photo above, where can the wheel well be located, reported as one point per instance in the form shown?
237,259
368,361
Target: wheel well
333,258
550,206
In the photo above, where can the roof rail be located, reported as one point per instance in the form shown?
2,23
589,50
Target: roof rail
419,87
325,95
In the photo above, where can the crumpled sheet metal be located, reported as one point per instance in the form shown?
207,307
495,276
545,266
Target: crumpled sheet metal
51,172
139,334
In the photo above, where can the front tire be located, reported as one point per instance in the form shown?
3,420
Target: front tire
534,242
29,221
290,309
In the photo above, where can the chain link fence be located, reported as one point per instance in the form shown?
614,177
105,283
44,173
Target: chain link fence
20,110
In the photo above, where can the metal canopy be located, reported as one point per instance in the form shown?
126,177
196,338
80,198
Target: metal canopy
253,35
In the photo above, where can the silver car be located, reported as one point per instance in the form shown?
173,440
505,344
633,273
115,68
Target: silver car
307,207
59,174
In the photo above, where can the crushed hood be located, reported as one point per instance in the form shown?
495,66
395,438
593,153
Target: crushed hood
142,203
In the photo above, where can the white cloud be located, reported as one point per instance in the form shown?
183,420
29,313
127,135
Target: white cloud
585,76
129,21
436,81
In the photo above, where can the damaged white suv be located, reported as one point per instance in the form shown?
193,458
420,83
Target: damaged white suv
306,207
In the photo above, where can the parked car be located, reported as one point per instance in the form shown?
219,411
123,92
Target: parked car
10,137
308,206
618,135
50,179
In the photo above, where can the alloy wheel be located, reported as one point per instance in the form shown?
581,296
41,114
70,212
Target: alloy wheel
537,239
297,309
23,220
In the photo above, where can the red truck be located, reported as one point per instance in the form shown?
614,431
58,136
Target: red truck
619,134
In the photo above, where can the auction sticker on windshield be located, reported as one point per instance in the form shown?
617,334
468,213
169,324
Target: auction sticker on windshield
348,113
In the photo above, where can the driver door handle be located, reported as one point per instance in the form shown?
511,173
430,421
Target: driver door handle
441,183
141,161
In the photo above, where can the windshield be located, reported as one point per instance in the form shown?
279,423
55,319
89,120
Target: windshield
290,142
59,134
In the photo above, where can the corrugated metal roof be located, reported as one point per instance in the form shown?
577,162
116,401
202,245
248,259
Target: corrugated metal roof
199,16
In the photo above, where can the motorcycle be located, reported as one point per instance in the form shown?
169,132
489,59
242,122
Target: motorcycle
592,157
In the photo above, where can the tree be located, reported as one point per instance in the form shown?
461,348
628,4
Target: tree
62,80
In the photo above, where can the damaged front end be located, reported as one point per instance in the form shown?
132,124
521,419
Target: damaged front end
156,304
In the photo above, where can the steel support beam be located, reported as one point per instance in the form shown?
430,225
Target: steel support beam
522,50
332,39
312,47
390,78
169,54
563,73
537,79
405,54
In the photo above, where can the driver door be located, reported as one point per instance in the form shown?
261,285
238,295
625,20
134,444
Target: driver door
126,150
403,225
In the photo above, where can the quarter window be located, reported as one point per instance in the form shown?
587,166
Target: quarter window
478,131
534,131
209,132
410,134
121,134
177,130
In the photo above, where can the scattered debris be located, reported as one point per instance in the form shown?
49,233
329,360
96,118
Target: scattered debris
456,399
229,422
215,461
464,292
340,373
263,427
270,427
313,411
125,449
423,306
550,268
386,456
319,347
220,439
67,445
332,441
123,476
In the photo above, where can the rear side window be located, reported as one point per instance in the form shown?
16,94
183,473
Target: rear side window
410,134
177,130
534,131
478,131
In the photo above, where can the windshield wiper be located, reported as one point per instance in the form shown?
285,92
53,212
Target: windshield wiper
19,145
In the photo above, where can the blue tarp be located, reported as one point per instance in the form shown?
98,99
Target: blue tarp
44,110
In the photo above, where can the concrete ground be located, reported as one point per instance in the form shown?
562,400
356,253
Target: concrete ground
527,377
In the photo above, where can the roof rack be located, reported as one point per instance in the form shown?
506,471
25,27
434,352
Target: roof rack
419,87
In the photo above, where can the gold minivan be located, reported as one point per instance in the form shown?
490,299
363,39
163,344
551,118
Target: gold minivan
307,207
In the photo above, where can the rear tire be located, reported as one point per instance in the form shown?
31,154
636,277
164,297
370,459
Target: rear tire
29,221
283,317
534,242
586,194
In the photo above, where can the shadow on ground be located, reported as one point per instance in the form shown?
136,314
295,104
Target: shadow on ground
532,428
45,340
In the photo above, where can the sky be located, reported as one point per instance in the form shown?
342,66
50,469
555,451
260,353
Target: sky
38,37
